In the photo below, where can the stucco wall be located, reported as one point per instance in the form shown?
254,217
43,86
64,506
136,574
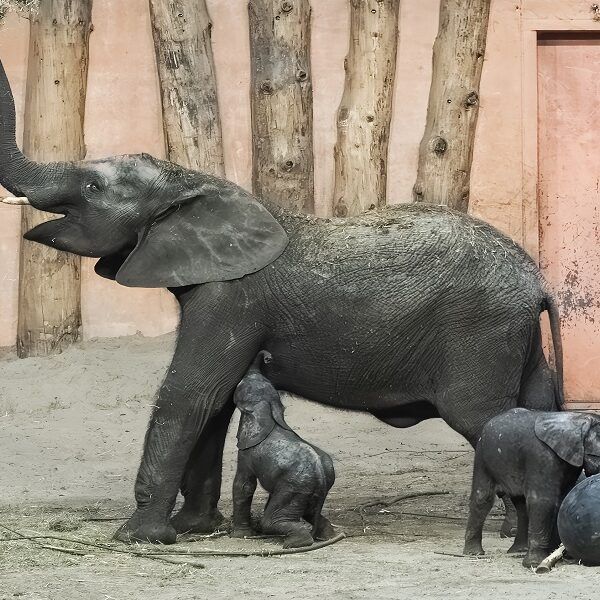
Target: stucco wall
123,116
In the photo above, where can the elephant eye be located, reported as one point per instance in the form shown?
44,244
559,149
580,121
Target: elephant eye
93,187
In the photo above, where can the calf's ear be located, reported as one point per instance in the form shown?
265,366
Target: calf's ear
277,410
256,423
220,235
564,433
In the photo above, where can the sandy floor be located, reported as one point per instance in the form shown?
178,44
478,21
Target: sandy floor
71,430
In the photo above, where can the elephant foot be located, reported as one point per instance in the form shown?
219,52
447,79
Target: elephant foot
242,532
298,539
189,521
517,548
473,549
534,557
324,530
138,529
508,529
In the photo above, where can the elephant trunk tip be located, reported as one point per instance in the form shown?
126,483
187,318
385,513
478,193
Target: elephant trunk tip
262,358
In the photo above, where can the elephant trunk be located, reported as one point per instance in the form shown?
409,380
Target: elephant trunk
18,174
263,357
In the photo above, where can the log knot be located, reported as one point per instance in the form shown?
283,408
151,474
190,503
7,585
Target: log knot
595,8
439,145
287,165
472,99
287,7
301,75
266,87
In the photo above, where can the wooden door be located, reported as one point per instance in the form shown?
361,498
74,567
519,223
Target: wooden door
569,200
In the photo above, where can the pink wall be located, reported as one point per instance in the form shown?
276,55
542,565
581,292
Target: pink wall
569,199
123,115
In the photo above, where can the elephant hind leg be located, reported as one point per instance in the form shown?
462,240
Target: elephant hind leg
480,504
284,515
521,539
322,527
538,389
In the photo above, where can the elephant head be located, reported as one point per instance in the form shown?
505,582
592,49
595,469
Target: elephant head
574,437
152,223
259,403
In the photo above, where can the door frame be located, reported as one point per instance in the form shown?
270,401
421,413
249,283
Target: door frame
530,28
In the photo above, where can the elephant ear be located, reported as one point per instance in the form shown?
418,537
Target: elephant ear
219,236
564,433
277,410
256,423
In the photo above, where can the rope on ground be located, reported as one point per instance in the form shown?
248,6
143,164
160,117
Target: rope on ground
161,554
397,499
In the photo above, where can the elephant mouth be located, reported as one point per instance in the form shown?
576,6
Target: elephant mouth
63,234
47,232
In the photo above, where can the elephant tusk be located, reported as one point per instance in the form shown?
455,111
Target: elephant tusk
18,200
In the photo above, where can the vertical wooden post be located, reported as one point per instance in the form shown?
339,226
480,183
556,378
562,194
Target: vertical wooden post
188,87
365,113
446,150
281,101
49,284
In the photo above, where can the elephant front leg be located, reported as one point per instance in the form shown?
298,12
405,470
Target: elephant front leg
198,387
201,486
542,513
244,486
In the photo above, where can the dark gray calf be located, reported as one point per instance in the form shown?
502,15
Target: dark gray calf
535,458
296,474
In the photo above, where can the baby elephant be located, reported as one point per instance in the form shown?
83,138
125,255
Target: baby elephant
535,458
296,474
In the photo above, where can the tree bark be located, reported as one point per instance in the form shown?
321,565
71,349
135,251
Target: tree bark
281,101
365,113
49,284
446,150
188,87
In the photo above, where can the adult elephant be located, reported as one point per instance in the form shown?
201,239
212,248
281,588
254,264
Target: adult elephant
409,312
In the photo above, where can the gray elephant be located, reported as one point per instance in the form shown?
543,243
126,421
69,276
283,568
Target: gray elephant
535,458
297,475
409,312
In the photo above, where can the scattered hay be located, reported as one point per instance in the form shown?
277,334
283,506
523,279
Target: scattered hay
23,7
64,523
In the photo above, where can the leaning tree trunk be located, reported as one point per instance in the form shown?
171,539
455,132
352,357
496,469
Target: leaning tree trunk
446,151
49,283
188,87
281,101
364,115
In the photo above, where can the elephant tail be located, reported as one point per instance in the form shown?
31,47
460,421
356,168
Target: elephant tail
554,317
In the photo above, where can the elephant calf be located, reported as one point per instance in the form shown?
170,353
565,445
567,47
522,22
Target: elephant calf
296,474
535,458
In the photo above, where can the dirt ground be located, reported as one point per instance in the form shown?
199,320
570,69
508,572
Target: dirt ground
71,432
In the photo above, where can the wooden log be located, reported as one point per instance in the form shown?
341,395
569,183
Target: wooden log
49,283
188,87
365,112
281,102
546,565
446,150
